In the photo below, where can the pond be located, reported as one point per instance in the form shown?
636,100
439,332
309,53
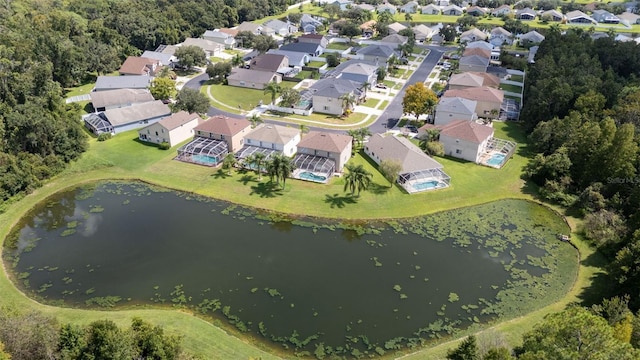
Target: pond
351,288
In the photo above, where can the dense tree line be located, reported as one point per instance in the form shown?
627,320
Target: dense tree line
33,336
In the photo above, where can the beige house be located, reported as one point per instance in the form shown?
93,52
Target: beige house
173,129
270,139
136,65
228,129
252,79
328,95
488,100
465,140
320,144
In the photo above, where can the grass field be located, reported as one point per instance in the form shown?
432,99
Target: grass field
316,64
338,46
372,103
232,96
518,78
511,88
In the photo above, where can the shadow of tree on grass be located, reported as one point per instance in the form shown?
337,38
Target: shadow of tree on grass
339,201
247,178
266,190
378,189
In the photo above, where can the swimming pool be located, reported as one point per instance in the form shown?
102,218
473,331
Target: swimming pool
427,185
204,159
496,159
306,175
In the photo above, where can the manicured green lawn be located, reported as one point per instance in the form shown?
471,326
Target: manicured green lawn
383,104
371,102
79,90
338,46
511,88
518,78
233,96
304,74
316,64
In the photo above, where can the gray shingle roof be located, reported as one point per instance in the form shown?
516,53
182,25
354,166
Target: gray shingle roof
474,60
116,97
137,112
302,47
122,82
401,149
255,76
274,134
457,105
376,50
360,68
334,88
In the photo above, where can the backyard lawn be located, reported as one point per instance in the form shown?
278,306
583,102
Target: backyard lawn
316,64
371,102
232,96
518,78
338,46
80,90
511,88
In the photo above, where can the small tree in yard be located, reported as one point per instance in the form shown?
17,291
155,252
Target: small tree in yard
162,88
219,71
357,179
229,162
418,100
289,97
390,169
467,350
432,148
190,56
332,60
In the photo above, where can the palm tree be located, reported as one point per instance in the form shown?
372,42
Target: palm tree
357,179
408,16
280,167
348,100
255,120
237,60
385,17
258,160
248,161
167,72
366,86
229,162
286,168
274,89
288,39
304,129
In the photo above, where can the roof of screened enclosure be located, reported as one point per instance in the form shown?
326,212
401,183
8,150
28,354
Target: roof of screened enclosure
314,163
205,146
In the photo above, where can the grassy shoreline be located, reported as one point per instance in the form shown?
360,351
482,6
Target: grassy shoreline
126,159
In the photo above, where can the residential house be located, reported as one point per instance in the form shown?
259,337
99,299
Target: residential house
360,73
578,17
127,118
454,108
488,100
532,37
418,172
473,34
368,28
328,95
167,49
452,10
379,54
173,129
396,27
342,4
394,40
410,8
473,79
255,29
526,14
321,144
269,62
252,79
552,15
422,32
304,47
113,99
231,130
465,139
366,7
122,82
500,36
628,18
309,25
477,51
281,28
386,7
295,58
605,17
223,38
473,63
317,39
623,38
232,32
503,10
431,9
442,3
136,65
274,138
164,59
479,44
209,47
476,11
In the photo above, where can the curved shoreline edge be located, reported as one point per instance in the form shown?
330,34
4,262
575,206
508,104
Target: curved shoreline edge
67,181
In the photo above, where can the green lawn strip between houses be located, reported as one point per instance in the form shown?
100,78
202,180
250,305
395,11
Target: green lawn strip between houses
511,88
123,157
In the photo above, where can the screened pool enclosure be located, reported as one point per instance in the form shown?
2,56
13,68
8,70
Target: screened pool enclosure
422,180
98,124
313,168
203,151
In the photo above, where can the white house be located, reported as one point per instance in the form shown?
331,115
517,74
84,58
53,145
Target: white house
500,36
431,9
465,139
473,34
281,139
173,129
325,152
454,108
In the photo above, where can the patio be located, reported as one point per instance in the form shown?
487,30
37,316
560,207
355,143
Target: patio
203,151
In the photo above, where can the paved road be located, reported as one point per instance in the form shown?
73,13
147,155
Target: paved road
389,117
393,112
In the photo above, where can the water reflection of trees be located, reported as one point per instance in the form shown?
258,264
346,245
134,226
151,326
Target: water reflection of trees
55,211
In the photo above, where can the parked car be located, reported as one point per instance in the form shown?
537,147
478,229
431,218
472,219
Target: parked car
381,86
412,129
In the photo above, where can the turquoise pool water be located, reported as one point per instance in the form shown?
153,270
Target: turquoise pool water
426,185
204,159
306,175
496,159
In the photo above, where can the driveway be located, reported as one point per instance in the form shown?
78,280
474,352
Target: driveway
393,112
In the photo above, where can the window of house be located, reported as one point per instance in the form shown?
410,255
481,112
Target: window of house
162,130
156,133
242,83
458,151
326,107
